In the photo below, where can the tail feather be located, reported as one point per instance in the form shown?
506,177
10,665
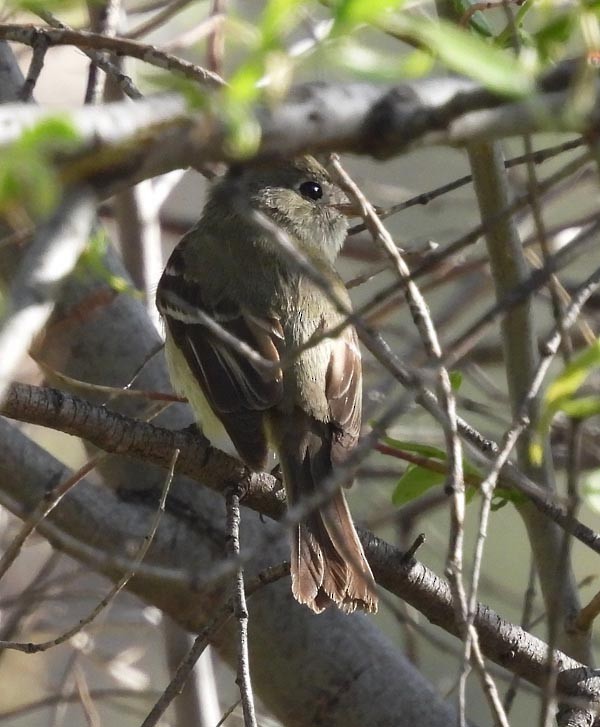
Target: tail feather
328,564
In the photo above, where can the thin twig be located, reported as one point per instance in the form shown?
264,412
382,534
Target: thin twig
122,80
554,613
166,13
54,699
218,621
455,481
588,614
232,528
528,600
29,35
228,712
505,212
36,65
215,44
52,498
111,392
104,19
424,198
31,648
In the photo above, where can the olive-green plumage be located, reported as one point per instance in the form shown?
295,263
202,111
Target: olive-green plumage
231,269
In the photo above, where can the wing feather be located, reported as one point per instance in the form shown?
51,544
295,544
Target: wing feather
344,393
219,344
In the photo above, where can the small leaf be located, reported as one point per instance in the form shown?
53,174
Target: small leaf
277,20
477,21
503,496
574,374
355,12
582,407
559,396
414,482
428,451
456,379
424,449
28,179
536,451
552,36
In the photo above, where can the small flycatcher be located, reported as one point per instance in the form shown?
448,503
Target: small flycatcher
230,269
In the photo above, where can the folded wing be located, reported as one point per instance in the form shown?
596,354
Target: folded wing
233,355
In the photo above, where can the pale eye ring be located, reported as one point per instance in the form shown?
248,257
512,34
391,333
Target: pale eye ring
311,190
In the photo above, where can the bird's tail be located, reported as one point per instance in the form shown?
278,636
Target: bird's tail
328,564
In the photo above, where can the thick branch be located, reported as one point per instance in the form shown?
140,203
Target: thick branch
116,433
120,434
502,642
125,143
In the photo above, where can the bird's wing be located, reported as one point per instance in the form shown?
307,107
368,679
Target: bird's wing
225,348
343,389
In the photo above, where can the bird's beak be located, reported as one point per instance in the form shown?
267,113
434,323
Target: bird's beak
348,209
351,209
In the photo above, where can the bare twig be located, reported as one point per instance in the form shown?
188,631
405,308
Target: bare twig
45,507
54,699
215,46
511,692
203,639
36,65
104,18
536,157
97,57
111,392
455,481
509,270
29,35
31,648
162,16
232,499
228,712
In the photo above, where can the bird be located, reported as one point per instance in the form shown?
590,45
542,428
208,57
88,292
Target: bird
229,288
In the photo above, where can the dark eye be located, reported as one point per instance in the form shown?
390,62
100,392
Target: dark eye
312,190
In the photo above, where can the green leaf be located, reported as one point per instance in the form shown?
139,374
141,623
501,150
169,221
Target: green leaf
93,260
38,6
559,396
356,12
477,21
425,449
574,374
414,482
468,54
243,88
456,379
428,451
552,36
277,20
502,496
28,179
55,132
582,407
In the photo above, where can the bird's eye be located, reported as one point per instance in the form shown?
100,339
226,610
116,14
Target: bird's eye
312,190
